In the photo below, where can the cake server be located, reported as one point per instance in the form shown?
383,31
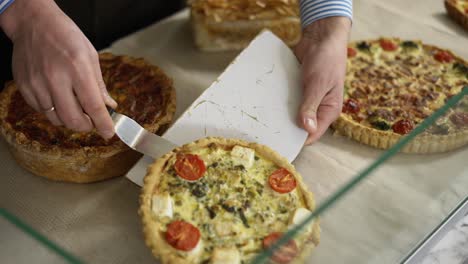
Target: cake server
138,138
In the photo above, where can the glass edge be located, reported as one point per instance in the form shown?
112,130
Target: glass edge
324,206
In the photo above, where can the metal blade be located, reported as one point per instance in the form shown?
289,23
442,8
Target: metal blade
139,139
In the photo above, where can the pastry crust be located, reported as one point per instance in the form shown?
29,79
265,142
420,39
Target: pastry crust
152,228
235,34
456,13
84,164
425,143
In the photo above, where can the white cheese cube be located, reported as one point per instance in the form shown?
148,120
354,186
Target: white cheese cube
162,205
225,256
243,156
299,216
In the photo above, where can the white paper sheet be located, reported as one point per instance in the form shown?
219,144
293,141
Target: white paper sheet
255,99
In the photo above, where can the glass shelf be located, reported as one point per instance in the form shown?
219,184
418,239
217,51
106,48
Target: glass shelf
377,216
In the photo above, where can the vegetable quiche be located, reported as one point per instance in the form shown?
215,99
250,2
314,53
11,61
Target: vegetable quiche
223,201
142,91
391,86
458,11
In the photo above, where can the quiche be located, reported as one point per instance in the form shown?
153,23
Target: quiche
392,85
142,91
220,200
458,11
231,24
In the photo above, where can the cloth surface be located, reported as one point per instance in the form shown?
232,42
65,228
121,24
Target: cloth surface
377,222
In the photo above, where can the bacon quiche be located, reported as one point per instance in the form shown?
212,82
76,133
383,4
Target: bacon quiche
392,85
458,11
223,201
142,91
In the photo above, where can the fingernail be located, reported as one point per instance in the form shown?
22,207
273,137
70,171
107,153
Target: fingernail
107,134
310,123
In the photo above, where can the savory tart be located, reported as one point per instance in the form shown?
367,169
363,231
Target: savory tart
458,11
232,24
223,201
391,86
142,91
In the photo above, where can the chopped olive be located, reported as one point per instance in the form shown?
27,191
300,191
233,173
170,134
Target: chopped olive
213,165
211,212
228,208
246,204
256,158
380,124
409,44
178,203
243,218
363,46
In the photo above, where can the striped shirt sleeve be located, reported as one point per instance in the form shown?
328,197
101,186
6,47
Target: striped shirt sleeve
4,5
313,10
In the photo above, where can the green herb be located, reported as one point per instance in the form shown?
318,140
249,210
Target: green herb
460,68
243,218
380,124
409,45
363,46
239,167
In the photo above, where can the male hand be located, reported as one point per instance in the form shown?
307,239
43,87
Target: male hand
56,68
322,52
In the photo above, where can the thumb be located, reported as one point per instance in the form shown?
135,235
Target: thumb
308,112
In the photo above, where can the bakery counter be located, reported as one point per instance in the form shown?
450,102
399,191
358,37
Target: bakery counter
380,220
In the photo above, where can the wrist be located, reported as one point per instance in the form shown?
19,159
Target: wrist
326,28
19,14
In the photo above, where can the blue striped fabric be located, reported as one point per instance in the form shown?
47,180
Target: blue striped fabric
4,4
313,10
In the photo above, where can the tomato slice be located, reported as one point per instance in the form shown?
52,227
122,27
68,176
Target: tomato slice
182,235
443,56
285,253
351,106
282,181
388,45
189,167
403,127
351,52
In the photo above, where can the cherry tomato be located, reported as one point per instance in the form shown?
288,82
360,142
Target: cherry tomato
182,235
403,127
351,52
282,181
189,167
388,45
285,253
443,56
351,106
460,119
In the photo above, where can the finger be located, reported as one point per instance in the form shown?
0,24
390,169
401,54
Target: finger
29,97
315,89
90,98
327,113
108,100
67,106
45,102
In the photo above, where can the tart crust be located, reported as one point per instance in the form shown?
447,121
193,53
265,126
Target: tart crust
456,14
154,238
85,164
422,144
